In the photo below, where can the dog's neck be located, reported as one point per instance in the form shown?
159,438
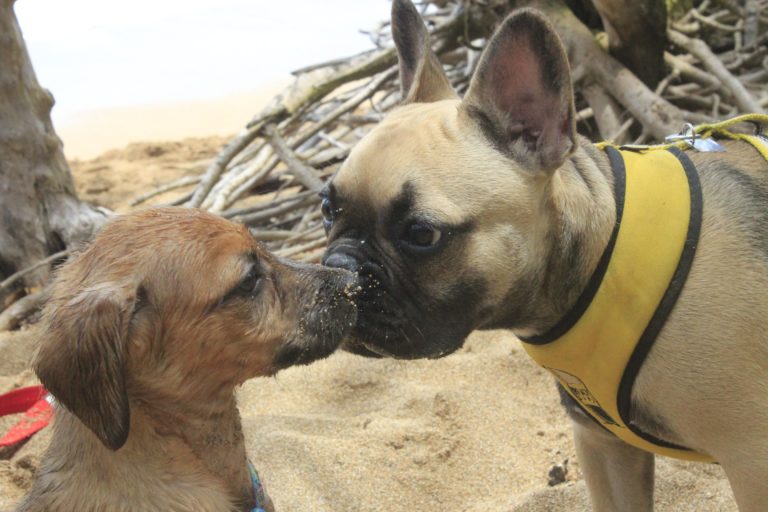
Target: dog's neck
175,458
580,219
210,429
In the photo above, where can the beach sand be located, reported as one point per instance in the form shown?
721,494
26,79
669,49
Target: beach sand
479,430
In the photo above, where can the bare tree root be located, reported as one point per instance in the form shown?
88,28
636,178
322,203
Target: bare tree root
9,282
701,51
20,310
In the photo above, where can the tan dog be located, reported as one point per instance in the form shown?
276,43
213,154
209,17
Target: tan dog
490,212
145,337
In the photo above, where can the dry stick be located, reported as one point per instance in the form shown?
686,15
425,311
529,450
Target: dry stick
622,129
21,309
257,177
311,213
281,235
731,5
329,64
664,83
288,105
313,256
181,182
181,200
323,147
701,51
348,105
713,23
691,72
271,235
584,114
751,22
689,99
298,249
304,234
231,150
605,110
251,209
252,218
284,221
303,137
305,174
247,154
13,278
238,173
345,107
328,156
329,139
687,28
258,168
319,88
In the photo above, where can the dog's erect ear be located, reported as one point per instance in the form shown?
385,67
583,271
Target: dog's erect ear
521,94
82,358
422,79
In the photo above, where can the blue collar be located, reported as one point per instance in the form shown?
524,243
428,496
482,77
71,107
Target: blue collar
259,496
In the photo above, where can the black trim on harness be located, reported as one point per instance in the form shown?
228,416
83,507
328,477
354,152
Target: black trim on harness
584,300
667,303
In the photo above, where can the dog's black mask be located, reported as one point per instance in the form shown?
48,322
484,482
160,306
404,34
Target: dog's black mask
396,318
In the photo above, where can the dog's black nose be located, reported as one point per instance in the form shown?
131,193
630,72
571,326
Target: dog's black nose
340,260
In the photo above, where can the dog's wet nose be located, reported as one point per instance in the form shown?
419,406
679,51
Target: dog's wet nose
340,260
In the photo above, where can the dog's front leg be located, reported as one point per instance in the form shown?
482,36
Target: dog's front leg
748,475
619,476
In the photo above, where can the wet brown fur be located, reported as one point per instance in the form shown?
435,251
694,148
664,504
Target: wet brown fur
145,338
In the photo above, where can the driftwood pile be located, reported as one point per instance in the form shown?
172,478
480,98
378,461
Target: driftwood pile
269,175
715,64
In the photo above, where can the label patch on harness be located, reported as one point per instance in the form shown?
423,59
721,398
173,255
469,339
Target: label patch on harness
579,391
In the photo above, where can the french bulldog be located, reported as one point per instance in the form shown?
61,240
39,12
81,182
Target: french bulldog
490,212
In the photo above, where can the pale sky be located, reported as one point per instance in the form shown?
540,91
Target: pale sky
106,53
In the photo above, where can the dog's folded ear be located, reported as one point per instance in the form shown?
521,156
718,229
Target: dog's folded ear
422,79
81,360
521,93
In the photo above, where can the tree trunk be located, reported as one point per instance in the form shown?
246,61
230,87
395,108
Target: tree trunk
39,210
637,35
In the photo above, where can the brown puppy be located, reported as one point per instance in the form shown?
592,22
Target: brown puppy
145,337
490,212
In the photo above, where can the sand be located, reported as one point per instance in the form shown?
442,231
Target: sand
87,134
479,430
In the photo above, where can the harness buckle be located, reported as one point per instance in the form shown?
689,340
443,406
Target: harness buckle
689,136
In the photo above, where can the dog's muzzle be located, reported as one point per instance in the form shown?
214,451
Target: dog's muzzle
391,320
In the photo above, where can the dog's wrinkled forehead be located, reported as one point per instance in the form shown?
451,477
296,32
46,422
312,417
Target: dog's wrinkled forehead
394,153
435,152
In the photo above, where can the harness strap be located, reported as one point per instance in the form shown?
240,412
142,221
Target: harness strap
720,130
598,348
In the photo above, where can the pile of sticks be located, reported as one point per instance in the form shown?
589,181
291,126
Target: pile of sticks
269,175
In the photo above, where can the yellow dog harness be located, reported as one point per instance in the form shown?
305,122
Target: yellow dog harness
596,351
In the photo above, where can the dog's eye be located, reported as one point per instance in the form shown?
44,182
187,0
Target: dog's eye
328,212
421,235
250,284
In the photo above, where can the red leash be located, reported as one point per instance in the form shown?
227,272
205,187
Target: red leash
35,403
